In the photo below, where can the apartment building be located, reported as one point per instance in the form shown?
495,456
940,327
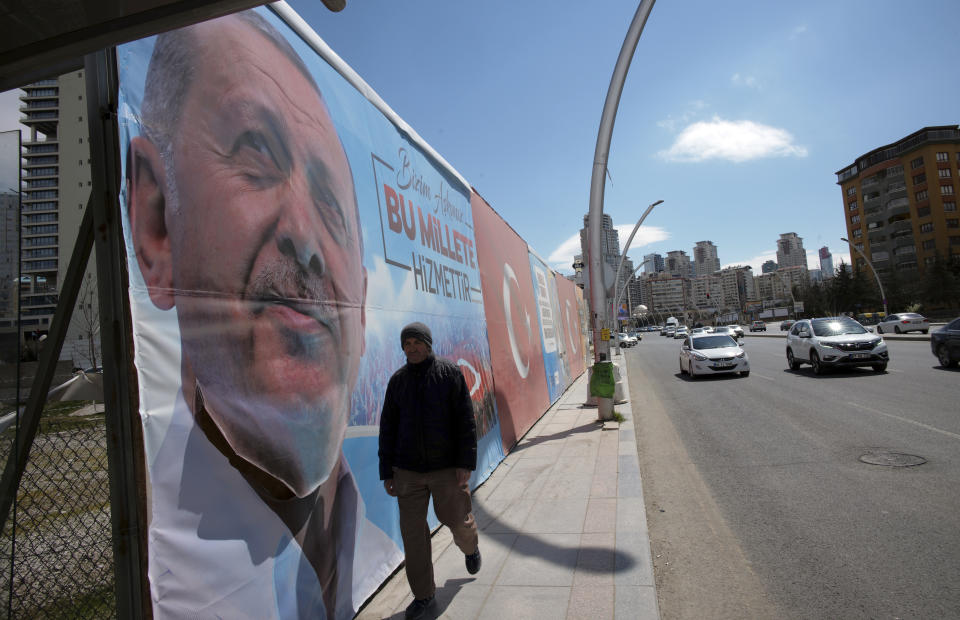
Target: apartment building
900,201
678,264
56,188
790,252
705,260
826,263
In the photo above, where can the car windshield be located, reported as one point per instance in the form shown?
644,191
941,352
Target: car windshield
713,342
722,330
911,315
836,327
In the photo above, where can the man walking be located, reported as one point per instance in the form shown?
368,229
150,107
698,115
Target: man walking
428,446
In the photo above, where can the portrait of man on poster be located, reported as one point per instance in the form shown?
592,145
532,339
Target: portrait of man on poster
245,224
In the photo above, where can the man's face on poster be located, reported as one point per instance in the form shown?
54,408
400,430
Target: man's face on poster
264,256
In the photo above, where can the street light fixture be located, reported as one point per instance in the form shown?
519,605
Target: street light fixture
869,264
618,297
623,257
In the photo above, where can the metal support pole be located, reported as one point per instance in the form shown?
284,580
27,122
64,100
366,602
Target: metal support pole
615,310
124,441
869,264
601,348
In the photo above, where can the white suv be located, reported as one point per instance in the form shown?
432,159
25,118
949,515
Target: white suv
834,342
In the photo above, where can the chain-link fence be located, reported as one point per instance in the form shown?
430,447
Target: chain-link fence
56,549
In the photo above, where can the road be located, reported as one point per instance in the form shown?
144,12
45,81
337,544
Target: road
759,504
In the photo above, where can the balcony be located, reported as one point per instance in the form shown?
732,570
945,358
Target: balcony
896,207
900,227
905,242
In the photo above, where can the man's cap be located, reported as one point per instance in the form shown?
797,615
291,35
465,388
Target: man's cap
416,330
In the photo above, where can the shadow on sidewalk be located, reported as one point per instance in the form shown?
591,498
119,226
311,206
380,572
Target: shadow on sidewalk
591,559
583,428
444,595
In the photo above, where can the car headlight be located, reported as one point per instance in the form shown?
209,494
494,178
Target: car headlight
828,345
875,342
742,354
700,357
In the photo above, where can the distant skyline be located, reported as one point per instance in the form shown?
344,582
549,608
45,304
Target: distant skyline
736,114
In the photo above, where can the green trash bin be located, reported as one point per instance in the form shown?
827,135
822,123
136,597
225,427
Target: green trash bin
603,384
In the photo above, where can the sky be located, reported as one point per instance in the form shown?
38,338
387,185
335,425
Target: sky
736,114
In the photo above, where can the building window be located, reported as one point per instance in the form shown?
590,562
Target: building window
943,173
942,156
853,205
855,219
921,195
905,249
857,233
923,211
920,178
851,191
859,246
953,222
930,244
929,260
925,228
955,240
946,190
905,266
949,205
916,163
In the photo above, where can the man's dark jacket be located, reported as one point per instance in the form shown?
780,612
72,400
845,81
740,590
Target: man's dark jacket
427,420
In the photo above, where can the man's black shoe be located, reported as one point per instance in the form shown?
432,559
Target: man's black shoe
417,608
473,562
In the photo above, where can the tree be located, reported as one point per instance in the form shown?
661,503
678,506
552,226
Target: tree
86,318
940,284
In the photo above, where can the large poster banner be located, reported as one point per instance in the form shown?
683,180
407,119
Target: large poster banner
550,319
521,386
280,231
571,297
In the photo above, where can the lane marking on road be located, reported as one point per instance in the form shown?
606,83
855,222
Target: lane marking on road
907,420
762,376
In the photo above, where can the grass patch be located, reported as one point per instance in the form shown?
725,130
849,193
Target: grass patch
617,416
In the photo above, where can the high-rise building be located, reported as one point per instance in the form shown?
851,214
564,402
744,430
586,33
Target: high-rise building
900,204
653,263
56,188
826,263
678,263
666,293
9,229
769,266
705,258
790,252
610,250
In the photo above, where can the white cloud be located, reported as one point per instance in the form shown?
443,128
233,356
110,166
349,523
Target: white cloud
736,141
745,80
798,31
754,263
670,123
561,258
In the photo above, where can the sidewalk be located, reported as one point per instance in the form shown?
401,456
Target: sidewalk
563,529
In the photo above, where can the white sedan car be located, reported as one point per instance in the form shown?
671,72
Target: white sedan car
903,323
713,354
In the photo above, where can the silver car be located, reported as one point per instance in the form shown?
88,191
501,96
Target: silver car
834,342
902,323
713,354
738,329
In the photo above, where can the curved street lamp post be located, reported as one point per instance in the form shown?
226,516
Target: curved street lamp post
601,348
619,297
869,264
